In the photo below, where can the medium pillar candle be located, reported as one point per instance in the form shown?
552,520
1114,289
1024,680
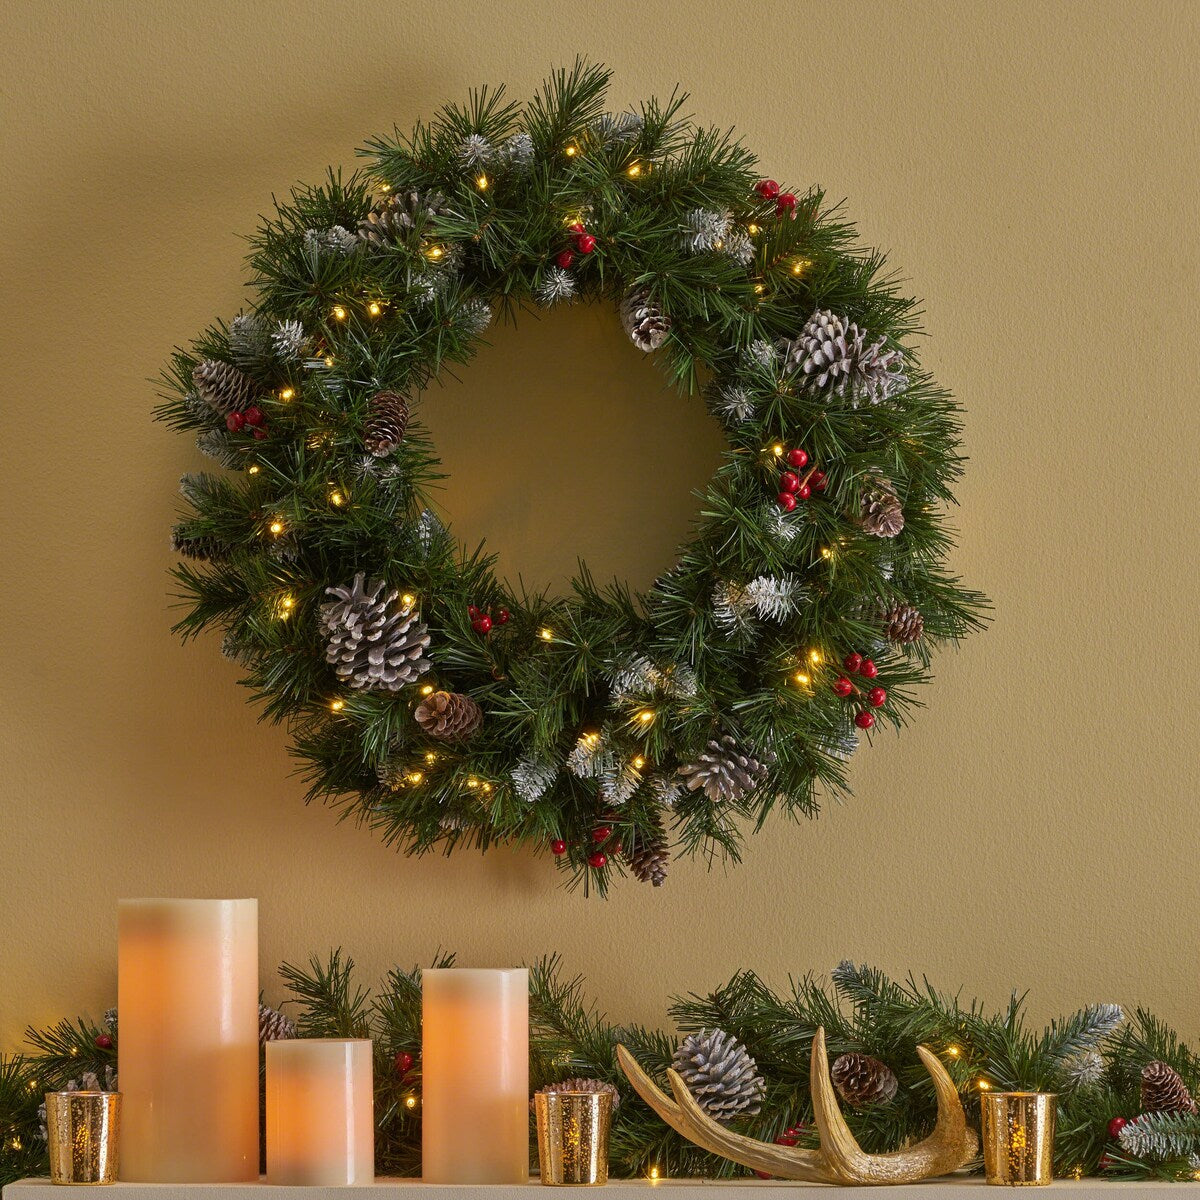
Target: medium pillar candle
475,1076
320,1112
187,992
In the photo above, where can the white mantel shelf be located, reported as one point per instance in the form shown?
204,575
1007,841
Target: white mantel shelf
620,1189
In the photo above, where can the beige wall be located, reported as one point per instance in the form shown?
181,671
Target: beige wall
1032,168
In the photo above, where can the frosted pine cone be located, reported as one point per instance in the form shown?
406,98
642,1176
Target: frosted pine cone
1163,1090
588,1086
369,646
387,419
720,1073
204,549
644,320
395,216
831,351
223,387
274,1026
724,771
880,513
448,716
861,1080
903,624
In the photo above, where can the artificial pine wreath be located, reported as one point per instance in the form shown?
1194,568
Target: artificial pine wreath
718,694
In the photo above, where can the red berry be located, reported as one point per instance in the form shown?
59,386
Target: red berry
472,611
843,686
404,1062
565,258
786,1139
585,243
820,484
798,458
1105,1162
601,833
786,501
502,617
597,860
1116,1125
852,662
816,476
869,669
234,422
576,227
876,697
260,433
763,1175
558,847
864,720
617,848
768,189
254,415
804,491
482,623
104,1042
785,203
789,481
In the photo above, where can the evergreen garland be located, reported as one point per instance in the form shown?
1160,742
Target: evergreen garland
862,1010
370,287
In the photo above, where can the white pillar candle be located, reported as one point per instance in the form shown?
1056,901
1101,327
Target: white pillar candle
320,1112
475,1076
187,993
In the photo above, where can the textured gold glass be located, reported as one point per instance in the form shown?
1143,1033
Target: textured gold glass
573,1137
83,1129
1018,1137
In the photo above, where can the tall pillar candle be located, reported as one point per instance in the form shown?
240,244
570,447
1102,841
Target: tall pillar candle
475,1076
320,1112
187,993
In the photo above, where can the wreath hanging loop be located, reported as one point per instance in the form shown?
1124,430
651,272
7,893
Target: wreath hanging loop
437,703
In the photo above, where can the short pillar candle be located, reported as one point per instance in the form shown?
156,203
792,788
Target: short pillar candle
187,991
320,1112
475,1076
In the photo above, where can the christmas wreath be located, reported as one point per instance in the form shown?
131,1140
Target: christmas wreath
435,701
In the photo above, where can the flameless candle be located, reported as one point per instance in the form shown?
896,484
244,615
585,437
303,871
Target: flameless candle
187,992
475,1076
320,1112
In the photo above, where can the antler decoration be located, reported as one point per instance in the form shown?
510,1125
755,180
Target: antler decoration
840,1159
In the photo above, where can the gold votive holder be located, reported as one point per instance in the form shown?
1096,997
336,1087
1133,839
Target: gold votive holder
83,1129
1018,1137
573,1132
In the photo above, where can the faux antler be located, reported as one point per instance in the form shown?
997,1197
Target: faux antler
840,1159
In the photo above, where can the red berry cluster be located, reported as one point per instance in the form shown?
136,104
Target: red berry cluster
789,1137
583,242
844,687
251,420
602,843
482,622
793,487
785,202
404,1063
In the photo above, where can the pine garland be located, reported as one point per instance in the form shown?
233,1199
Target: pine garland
862,1010
382,281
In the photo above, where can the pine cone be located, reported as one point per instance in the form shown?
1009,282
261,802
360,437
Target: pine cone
448,716
649,856
368,646
582,1085
396,215
644,320
223,387
831,351
880,511
1164,1091
203,548
904,624
720,1073
861,1080
274,1026
723,770
387,419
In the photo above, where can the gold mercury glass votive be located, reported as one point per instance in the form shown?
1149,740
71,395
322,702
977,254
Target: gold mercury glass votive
1018,1137
83,1129
573,1137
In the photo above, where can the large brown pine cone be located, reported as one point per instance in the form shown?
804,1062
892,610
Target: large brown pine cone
223,387
904,624
448,716
649,857
387,419
880,513
861,1080
1164,1091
